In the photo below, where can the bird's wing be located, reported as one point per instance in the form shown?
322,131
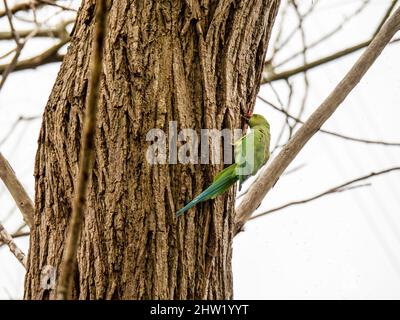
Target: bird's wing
261,147
251,153
241,148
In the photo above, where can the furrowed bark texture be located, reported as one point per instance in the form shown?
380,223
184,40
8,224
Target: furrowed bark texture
196,63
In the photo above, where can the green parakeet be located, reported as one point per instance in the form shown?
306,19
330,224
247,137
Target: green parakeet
251,153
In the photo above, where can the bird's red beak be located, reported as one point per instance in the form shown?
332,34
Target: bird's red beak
247,116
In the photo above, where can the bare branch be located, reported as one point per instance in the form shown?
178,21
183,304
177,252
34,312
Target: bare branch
28,5
17,191
8,240
7,69
53,32
278,37
10,22
270,175
304,55
49,56
340,188
23,6
68,262
316,63
11,65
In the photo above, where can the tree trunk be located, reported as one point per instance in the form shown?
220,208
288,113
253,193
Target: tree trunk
197,64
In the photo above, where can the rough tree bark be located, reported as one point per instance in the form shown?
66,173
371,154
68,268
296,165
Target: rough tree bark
198,64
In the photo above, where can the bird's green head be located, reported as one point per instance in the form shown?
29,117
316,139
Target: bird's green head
258,120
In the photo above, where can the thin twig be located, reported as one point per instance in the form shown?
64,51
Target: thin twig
49,56
28,5
17,191
340,188
326,36
58,31
296,29
67,268
14,126
285,107
20,44
270,175
304,55
10,22
335,134
18,49
5,55
316,63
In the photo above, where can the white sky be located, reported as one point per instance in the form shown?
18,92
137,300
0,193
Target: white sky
343,246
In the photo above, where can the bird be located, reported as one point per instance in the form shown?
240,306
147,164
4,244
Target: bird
251,153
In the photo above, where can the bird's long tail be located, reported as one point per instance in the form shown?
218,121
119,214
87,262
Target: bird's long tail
221,183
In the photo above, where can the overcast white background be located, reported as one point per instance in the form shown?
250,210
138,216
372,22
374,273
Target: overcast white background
343,246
